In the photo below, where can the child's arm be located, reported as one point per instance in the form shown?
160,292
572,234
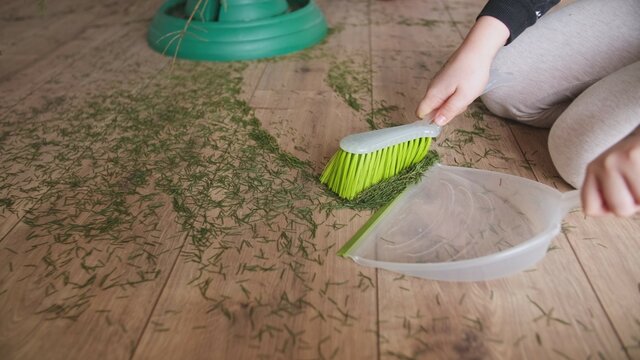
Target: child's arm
612,182
466,73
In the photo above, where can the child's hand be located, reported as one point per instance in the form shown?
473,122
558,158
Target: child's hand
612,182
466,73
461,80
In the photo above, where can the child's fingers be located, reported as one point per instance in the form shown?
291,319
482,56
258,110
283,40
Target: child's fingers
592,203
617,195
454,106
633,181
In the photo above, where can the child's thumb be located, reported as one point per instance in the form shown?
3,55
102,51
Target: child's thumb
454,106
428,105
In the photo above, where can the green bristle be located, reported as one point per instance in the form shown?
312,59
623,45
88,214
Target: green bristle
395,151
371,178
404,147
387,157
415,145
361,181
349,174
419,144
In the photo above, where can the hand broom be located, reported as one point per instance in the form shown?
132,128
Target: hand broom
367,158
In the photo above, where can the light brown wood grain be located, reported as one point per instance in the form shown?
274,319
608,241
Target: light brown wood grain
581,301
102,36
605,247
99,60
49,102
10,4
48,29
34,302
41,316
338,320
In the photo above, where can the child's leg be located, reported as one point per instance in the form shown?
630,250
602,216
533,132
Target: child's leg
563,54
600,117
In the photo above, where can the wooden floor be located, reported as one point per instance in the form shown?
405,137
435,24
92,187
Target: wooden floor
142,216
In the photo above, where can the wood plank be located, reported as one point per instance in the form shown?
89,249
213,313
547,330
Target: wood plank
463,13
301,79
46,30
605,247
58,281
117,52
175,230
28,47
117,205
20,84
331,303
415,26
18,87
53,292
9,4
27,170
495,319
18,11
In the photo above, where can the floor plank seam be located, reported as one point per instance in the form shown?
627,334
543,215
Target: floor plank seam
255,88
160,294
595,293
575,254
155,303
377,302
522,152
33,91
444,4
38,203
76,35
88,26
370,59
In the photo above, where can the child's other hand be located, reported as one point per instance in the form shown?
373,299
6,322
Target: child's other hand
466,73
612,182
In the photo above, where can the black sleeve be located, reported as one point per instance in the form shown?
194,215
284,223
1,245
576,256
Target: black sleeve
517,15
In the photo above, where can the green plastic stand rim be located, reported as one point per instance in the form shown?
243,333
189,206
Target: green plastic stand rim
250,10
242,40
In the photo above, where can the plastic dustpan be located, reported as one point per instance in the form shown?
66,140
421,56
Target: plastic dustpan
462,224
228,30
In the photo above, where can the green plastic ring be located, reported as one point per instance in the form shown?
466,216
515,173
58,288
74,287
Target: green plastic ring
242,40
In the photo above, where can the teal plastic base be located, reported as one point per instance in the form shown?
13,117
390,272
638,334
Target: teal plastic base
235,40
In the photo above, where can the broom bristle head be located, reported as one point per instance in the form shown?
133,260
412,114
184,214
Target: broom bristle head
349,174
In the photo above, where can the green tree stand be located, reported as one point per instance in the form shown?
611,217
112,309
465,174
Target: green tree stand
228,30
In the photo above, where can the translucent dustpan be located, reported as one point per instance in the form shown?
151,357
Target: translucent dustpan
461,224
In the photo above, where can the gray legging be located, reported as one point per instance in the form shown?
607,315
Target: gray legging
577,71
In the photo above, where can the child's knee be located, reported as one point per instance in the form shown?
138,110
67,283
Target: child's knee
511,103
498,104
569,158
